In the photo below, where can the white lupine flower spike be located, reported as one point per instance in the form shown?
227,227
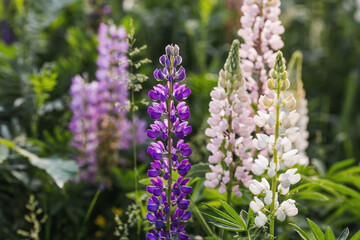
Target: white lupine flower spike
230,130
275,151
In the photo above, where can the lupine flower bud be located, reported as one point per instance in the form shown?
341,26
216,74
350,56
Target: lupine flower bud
271,84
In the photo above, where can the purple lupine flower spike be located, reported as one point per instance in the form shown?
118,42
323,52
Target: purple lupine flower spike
168,204
99,122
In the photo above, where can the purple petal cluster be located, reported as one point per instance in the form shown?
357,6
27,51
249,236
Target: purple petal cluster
99,122
84,125
168,204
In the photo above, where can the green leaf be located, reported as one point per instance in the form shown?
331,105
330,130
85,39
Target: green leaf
329,234
313,196
61,170
141,195
344,234
319,235
301,232
220,213
234,214
356,236
4,152
221,220
198,170
340,165
250,217
244,216
340,188
226,227
195,210
145,181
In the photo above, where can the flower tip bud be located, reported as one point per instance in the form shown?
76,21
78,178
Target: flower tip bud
273,73
271,83
168,50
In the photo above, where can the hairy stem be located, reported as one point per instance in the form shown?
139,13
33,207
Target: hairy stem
274,179
169,145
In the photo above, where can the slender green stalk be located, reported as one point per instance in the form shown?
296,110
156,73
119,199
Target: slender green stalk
134,145
169,144
229,186
88,213
248,234
137,197
230,148
274,179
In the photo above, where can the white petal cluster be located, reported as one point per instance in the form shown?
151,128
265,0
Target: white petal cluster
261,30
230,127
278,118
287,208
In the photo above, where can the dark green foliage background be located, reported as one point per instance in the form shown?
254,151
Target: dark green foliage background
63,33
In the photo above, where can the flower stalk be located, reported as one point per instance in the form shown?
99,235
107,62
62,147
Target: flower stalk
276,153
168,204
230,130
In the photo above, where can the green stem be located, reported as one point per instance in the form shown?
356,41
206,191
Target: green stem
248,234
169,144
135,159
274,178
88,213
230,149
229,185
134,145
34,123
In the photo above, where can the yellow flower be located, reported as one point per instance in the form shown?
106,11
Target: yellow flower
100,221
117,211
99,234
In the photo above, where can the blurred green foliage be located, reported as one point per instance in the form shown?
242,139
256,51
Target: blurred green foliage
62,34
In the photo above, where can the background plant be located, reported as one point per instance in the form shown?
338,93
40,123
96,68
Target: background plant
63,33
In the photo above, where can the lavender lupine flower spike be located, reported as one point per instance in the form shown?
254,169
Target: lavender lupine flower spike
167,205
230,129
84,126
99,120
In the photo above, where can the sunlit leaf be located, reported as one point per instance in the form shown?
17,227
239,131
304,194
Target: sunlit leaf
319,235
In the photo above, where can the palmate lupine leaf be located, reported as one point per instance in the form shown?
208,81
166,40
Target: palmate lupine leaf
234,214
319,235
228,220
